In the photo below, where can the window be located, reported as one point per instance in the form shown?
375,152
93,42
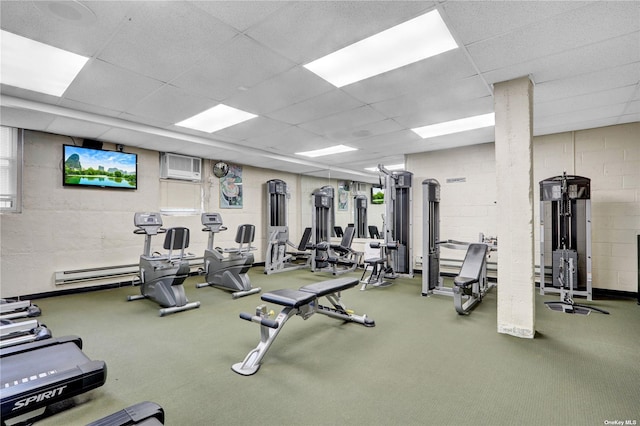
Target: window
10,169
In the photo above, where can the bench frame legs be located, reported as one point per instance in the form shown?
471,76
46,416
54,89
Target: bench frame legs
269,329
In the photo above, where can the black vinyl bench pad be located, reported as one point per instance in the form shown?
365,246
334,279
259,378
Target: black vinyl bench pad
306,294
330,286
288,297
472,265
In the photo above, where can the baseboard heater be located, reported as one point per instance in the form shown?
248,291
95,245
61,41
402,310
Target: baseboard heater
111,274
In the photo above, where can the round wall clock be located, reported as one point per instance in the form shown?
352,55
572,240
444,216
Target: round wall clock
220,169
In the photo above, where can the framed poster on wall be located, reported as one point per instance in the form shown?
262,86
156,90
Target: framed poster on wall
343,196
231,196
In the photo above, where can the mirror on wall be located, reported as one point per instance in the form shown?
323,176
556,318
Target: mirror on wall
345,204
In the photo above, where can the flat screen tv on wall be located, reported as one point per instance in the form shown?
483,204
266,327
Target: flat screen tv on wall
99,168
377,195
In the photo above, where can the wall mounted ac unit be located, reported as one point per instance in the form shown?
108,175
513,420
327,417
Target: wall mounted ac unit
174,166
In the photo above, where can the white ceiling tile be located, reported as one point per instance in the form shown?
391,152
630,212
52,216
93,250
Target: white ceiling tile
307,30
342,121
388,142
442,70
240,15
471,137
163,39
356,133
561,33
437,104
331,102
32,19
599,81
171,105
590,58
588,101
291,138
232,68
475,21
581,116
256,126
290,87
104,85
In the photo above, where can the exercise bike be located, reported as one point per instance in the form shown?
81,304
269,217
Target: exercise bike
162,275
227,268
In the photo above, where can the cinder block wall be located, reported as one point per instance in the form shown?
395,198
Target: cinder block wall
609,156
64,228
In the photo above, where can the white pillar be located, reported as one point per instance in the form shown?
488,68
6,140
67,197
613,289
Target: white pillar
514,173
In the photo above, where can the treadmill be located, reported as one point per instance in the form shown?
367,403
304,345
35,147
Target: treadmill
12,309
38,374
17,333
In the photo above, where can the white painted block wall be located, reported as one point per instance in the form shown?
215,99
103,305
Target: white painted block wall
609,156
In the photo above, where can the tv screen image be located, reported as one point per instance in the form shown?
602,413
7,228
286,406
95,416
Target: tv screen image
377,195
98,168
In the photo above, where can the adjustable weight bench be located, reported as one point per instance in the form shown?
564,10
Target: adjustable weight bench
303,302
471,284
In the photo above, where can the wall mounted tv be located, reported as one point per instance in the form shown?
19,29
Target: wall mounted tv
98,168
377,195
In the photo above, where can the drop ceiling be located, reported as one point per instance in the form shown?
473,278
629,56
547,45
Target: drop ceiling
153,64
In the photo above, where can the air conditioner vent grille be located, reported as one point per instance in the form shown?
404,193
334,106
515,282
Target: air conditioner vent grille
174,166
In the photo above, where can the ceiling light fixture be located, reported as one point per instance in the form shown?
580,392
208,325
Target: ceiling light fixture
336,149
219,117
456,126
406,43
36,66
391,167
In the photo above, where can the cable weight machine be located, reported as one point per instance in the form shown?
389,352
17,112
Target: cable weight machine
360,215
565,242
431,281
281,254
398,226
322,219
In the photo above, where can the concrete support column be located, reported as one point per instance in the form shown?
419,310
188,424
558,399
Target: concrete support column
514,173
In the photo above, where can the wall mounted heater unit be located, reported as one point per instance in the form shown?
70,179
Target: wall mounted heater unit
174,166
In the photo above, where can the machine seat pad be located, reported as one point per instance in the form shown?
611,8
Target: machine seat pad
472,265
464,281
374,261
288,297
330,286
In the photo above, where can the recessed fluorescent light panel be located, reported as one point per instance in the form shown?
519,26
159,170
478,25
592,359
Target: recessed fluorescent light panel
406,43
216,118
390,167
36,66
337,149
456,126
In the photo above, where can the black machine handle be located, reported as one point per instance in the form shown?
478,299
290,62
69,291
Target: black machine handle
262,321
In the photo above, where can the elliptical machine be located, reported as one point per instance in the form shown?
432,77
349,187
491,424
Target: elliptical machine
228,272
162,275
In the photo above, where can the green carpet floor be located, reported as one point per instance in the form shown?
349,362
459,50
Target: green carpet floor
422,364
